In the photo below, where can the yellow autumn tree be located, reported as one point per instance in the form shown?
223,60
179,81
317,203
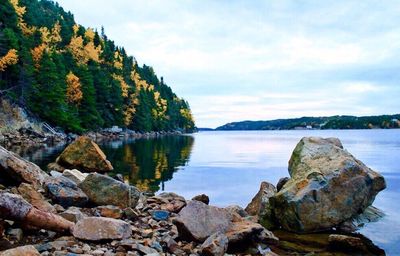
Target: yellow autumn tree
74,92
118,60
130,109
20,11
83,53
11,58
37,54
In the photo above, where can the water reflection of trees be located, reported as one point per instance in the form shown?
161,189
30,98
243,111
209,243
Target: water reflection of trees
147,163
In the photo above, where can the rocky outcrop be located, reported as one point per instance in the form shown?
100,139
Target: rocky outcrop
100,228
261,207
327,186
85,155
104,190
19,169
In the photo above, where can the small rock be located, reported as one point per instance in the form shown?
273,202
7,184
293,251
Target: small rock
202,198
73,214
160,215
144,249
110,211
75,175
27,250
130,214
15,234
100,228
215,245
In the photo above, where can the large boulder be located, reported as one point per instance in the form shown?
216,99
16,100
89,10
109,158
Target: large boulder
260,205
327,187
84,154
104,190
20,169
100,228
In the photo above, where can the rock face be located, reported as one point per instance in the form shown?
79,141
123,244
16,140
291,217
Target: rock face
65,192
84,154
104,190
100,228
327,187
20,170
260,205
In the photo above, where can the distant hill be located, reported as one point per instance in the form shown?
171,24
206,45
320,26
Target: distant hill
331,122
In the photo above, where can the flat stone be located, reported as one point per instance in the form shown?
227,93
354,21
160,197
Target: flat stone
160,215
100,228
74,175
110,211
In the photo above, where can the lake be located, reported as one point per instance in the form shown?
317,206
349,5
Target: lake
229,166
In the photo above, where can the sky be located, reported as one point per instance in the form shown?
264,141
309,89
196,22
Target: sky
235,60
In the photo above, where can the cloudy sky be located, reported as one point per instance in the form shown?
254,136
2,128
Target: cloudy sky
261,60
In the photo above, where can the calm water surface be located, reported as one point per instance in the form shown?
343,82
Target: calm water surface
229,167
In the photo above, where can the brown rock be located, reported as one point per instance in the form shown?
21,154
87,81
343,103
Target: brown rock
84,154
27,250
202,198
21,170
169,201
110,211
73,214
35,198
100,228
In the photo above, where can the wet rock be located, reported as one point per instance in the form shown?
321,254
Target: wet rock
75,175
327,187
100,228
202,198
30,194
260,205
160,215
110,211
65,192
197,221
73,214
104,190
215,245
20,169
84,154
27,250
281,183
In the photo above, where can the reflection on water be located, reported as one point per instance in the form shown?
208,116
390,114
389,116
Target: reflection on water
148,163
229,167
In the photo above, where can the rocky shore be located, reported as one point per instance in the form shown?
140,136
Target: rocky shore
77,209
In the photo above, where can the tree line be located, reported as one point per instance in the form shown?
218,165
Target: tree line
76,78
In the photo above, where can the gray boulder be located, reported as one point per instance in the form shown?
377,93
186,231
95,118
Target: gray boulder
327,186
65,192
104,190
100,228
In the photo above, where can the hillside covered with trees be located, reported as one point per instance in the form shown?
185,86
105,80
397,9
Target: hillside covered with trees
77,78
332,122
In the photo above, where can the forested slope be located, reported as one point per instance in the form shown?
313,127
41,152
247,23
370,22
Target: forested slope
77,78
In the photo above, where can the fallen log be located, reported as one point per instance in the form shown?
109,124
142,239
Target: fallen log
14,207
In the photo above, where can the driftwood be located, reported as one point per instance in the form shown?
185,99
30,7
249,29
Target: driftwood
14,207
